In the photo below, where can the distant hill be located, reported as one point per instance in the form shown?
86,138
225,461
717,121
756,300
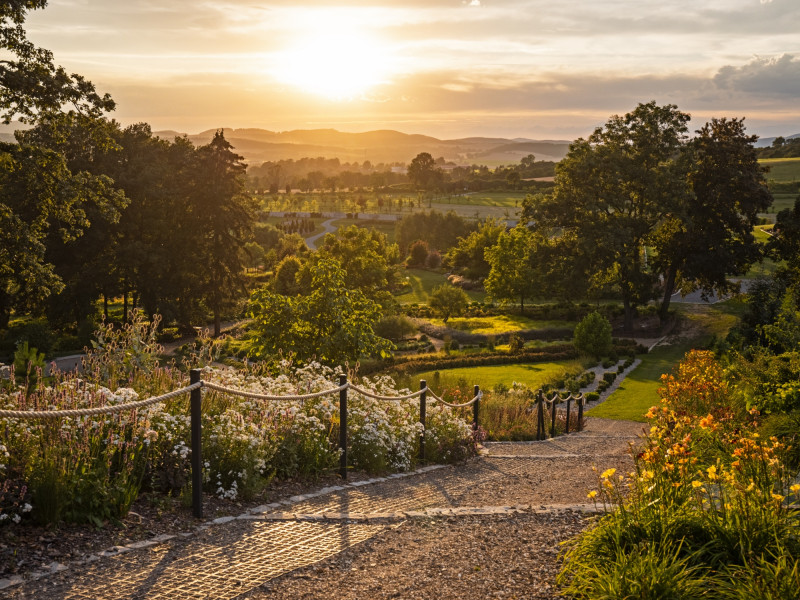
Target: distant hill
382,146
767,142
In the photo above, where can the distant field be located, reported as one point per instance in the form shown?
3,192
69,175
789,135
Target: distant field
782,169
422,283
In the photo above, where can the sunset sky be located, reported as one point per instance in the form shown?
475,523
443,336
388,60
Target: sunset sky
448,68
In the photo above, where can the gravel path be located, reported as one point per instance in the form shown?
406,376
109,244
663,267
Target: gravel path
489,528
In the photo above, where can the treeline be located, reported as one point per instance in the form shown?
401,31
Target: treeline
781,148
329,174
92,209
639,211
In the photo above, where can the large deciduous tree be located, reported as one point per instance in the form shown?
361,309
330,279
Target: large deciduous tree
423,172
710,236
612,190
468,256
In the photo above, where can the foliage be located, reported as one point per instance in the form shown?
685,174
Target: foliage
448,301
468,256
418,253
593,335
612,190
332,323
423,172
710,236
394,327
704,506
440,231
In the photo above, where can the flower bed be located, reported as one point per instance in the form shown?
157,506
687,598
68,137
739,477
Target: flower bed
705,512
91,468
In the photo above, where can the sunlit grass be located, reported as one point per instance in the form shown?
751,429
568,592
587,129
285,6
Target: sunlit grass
494,325
639,391
422,283
782,169
532,375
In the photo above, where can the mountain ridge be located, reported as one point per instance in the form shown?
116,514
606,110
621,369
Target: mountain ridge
377,146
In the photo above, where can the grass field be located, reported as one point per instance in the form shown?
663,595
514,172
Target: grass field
639,391
422,283
532,375
499,324
782,169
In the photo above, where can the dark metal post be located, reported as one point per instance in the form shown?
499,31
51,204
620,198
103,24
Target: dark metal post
580,401
553,410
343,428
476,408
540,416
569,402
196,409
423,385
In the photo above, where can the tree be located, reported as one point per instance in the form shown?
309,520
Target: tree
418,253
710,235
423,172
612,191
30,84
468,256
512,275
224,216
592,335
448,301
371,263
40,199
330,323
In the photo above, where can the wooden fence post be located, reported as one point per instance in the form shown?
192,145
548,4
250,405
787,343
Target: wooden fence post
423,385
196,408
580,401
343,428
553,409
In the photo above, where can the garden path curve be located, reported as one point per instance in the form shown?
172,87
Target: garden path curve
251,555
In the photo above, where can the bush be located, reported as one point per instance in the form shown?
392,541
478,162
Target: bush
609,376
591,396
593,335
418,253
394,327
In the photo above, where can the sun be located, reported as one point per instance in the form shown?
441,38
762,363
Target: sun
338,64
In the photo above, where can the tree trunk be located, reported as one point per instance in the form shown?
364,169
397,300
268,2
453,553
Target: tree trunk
124,307
628,312
217,324
669,289
522,304
105,307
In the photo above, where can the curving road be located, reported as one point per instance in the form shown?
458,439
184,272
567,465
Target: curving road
328,226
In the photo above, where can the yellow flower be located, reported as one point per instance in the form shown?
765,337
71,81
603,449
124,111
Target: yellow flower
712,472
696,484
592,495
777,497
795,488
608,473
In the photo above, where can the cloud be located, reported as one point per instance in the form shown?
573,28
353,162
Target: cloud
762,77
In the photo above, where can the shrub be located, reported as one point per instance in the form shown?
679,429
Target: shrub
591,396
394,327
418,253
593,335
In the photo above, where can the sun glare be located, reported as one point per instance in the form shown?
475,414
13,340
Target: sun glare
339,65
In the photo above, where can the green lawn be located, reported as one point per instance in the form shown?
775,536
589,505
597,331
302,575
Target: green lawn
499,324
422,283
532,375
503,199
638,392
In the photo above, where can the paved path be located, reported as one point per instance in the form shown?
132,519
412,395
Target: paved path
328,226
233,556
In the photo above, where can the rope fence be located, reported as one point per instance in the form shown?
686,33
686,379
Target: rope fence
196,385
